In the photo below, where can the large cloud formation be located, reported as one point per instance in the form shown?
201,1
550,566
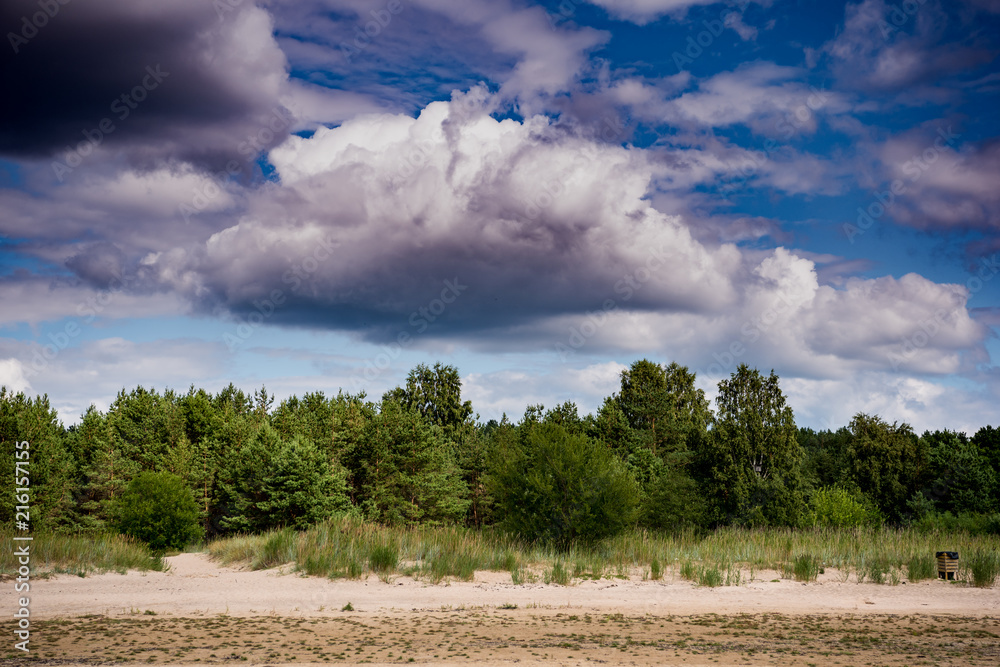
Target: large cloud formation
553,242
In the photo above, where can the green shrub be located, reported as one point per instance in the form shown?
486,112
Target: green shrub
158,509
838,508
655,571
563,488
673,503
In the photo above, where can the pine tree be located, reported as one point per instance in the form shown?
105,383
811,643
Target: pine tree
271,482
403,470
51,467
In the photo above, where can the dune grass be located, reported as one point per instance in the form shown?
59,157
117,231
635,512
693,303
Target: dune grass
347,547
56,553
983,568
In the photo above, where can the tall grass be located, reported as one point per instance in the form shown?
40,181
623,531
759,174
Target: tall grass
984,568
349,547
79,554
921,567
806,567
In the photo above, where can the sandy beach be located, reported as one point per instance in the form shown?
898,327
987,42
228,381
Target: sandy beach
198,612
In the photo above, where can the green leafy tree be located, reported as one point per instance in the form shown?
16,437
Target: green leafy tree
560,488
158,508
987,441
436,394
143,426
961,479
567,416
313,417
825,462
672,502
97,483
887,462
201,420
611,427
751,463
472,455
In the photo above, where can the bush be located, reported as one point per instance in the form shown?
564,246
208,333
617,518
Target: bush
158,508
838,508
563,488
673,503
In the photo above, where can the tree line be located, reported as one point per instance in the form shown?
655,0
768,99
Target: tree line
654,455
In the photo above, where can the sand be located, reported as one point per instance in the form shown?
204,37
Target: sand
198,612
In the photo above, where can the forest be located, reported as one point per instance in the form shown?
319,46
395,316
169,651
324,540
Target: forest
655,456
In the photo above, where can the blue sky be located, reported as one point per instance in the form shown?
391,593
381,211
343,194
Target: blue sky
320,195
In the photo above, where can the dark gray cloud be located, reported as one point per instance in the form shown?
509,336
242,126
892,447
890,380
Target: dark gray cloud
182,80
98,264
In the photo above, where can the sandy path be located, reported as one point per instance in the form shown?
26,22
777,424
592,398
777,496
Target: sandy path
194,585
